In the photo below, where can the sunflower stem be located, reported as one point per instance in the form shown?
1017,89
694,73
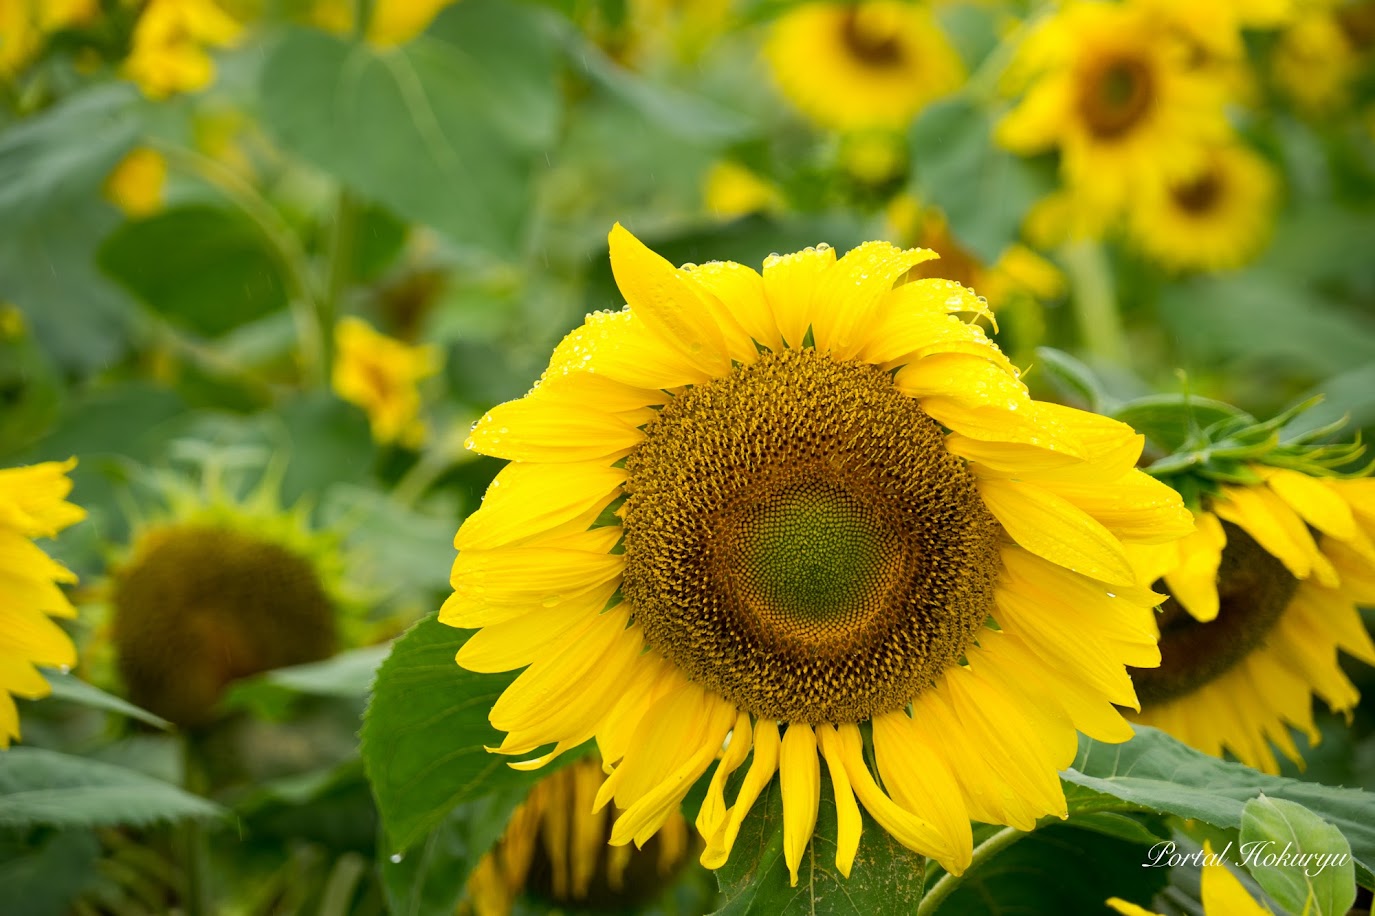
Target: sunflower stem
1095,302
982,853
192,836
343,245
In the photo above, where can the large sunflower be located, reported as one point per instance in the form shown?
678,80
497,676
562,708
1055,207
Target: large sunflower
850,66
1108,86
33,504
1216,220
1262,598
774,507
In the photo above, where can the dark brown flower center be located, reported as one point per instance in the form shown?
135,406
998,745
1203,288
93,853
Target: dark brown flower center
1200,196
1253,588
1115,94
873,43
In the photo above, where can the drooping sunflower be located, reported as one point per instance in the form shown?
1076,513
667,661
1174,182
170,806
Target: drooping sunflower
775,507
850,66
1222,893
554,850
1263,597
1115,94
215,588
33,504
1218,219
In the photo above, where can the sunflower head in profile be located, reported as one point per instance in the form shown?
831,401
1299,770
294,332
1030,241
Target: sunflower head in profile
33,504
1109,87
215,589
774,507
1218,219
851,66
1262,597
554,851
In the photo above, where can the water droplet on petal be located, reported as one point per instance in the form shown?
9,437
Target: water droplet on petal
396,858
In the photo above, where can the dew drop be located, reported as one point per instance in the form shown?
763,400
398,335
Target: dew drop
64,669
396,858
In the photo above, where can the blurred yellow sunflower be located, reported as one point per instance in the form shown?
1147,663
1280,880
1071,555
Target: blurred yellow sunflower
774,507
1222,893
1108,88
33,504
730,190
554,850
136,185
215,588
1218,219
1215,28
25,24
390,23
1316,59
1263,596
381,375
851,66
169,46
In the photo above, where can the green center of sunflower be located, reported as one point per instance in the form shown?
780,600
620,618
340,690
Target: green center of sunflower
1115,94
798,539
199,606
1253,590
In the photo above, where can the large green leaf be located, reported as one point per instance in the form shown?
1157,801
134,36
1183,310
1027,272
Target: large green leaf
1057,869
886,877
345,676
205,268
983,190
41,787
74,690
1320,886
446,130
42,872
425,731
1160,774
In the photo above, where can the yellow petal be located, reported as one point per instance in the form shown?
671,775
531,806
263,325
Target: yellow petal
1194,581
516,643
970,381
860,280
800,779
1276,528
763,764
1315,500
736,294
668,305
535,429
1129,909
1053,528
711,816
790,285
620,346
1223,893
916,776
849,823
527,499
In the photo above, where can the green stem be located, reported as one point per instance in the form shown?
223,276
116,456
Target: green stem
428,468
192,836
982,853
343,247
304,299
1095,302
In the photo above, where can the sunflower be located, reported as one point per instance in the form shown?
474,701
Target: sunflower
854,66
215,588
137,185
32,505
554,849
775,507
1116,96
168,54
1316,60
1222,893
730,190
381,375
1262,598
1216,220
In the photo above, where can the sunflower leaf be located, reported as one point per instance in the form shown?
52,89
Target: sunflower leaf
1323,887
885,878
425,735
45,788
1161,774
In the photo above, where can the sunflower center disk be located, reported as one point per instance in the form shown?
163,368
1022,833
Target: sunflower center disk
1115,95
1253,590
798,539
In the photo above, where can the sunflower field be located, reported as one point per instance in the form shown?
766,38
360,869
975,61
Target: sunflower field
491,457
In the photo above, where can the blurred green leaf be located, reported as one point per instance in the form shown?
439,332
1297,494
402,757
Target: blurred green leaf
425,731
430,879
43,872
1018,880
73,689
1071,377
1168,420
446,130
41,787
1159,773
346,676
205,268
886,876
1350,394
1277,826
983,190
